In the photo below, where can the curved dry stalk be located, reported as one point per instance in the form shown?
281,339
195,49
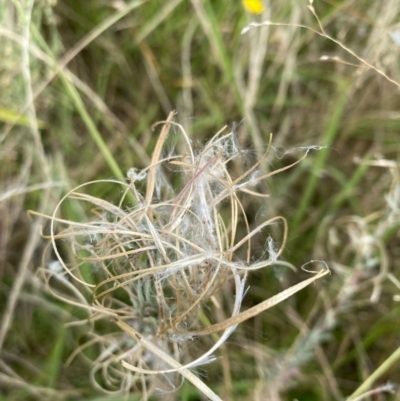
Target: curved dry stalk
323,33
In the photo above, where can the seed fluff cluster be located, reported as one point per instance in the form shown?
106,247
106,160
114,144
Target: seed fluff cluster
158,262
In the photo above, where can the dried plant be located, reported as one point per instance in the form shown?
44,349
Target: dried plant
158,260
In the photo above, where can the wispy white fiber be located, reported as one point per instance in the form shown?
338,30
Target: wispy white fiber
136,174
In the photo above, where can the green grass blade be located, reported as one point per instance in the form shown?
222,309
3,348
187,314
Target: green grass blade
328,137
382,369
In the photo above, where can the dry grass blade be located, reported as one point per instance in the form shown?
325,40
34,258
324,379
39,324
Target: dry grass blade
172,362
263,306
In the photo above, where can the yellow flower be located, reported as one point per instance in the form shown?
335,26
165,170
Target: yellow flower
253,6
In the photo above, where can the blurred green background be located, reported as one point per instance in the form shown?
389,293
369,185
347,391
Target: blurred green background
81,84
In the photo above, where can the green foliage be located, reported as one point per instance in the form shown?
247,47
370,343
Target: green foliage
81,85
